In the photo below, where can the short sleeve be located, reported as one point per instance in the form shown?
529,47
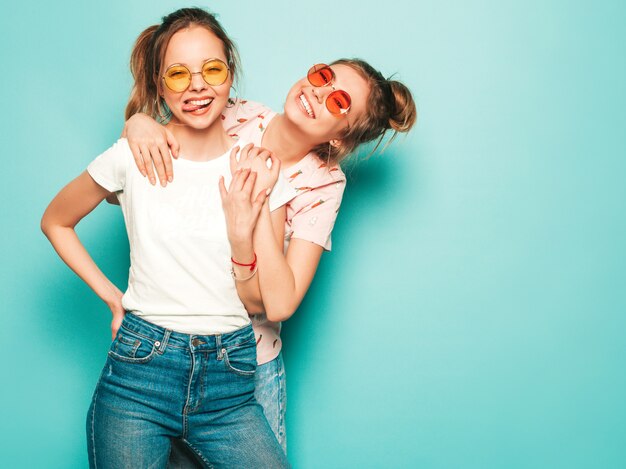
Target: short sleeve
109,168
282,193
315,218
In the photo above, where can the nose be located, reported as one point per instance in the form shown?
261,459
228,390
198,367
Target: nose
197,82
317,94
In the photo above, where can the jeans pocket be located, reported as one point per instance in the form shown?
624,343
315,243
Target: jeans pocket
132,348
241,358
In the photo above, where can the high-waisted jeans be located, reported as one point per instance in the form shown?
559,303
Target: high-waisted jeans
270,391
157,385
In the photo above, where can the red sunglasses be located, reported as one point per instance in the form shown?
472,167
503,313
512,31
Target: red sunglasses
338,102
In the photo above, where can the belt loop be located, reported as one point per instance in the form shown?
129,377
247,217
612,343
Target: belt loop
163,344
218,345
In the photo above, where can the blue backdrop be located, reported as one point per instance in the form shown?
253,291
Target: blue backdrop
472,312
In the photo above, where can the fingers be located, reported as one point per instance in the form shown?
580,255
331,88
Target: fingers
134,148
145,154
246,153
115,324
166,157
249,183
158,161
259,200
172,143
223,191
233,159
275,165
239,179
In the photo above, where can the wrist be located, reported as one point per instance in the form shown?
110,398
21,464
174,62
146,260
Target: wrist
243,258
242,251
112,297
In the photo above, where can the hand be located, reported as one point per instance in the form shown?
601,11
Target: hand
151,143
118,312
256,159
241,209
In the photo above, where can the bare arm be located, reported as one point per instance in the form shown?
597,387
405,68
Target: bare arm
71,205
245,198
283,280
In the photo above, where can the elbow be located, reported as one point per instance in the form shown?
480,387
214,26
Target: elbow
45,226
280,314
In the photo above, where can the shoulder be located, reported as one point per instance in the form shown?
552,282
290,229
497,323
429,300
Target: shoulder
241,110
313,173
119,151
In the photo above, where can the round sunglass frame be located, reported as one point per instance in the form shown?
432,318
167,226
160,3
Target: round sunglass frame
180,84
338,102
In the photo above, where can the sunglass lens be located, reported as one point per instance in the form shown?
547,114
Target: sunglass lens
177,78
320,75
338,102
215,72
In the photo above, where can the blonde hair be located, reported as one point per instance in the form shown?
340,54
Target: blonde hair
389,107
149,50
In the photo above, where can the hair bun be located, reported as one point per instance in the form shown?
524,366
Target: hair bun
402,113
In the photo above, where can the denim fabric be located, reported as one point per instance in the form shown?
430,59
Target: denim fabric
270,392
158,385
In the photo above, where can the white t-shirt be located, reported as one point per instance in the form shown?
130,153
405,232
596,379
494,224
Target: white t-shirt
179,251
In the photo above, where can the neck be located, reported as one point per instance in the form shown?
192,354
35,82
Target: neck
201,144
286,141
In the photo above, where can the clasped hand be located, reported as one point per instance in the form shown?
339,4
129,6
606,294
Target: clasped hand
254,174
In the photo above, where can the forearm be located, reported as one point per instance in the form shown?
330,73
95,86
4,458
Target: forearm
73,253
246,280
277,283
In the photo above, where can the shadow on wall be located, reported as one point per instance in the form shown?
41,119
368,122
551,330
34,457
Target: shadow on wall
375,185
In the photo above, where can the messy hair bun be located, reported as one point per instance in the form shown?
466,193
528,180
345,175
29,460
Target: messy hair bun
402,113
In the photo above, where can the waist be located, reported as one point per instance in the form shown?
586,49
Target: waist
171,338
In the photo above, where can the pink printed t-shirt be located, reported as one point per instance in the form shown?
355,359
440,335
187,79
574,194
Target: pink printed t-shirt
311,214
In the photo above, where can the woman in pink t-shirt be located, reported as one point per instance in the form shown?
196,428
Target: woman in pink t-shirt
326,116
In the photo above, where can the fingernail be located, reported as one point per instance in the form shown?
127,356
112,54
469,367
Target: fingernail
170,179
152,181
267,192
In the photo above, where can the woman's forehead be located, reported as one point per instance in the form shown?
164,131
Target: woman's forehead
194,44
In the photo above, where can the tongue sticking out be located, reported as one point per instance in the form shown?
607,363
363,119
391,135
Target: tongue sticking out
195,105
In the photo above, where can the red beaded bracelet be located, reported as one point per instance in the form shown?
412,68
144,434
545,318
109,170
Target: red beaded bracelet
252,265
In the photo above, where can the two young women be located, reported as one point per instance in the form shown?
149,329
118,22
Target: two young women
188,335
327,114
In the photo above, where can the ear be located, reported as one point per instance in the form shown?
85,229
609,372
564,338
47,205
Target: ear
335,142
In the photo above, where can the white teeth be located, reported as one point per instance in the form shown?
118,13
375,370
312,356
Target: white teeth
307,106
200,103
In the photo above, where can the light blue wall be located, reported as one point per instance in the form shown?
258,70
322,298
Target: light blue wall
472,312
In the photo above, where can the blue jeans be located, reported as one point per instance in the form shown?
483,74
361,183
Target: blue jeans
270,392
158,385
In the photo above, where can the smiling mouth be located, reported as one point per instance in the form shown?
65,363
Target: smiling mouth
306,105
192,105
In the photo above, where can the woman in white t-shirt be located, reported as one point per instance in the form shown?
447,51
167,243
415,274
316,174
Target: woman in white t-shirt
326,116
183,359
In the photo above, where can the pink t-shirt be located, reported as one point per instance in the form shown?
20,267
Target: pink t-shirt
310,215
